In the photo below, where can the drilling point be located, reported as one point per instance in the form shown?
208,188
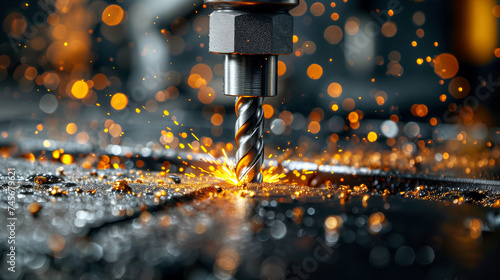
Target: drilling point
250,34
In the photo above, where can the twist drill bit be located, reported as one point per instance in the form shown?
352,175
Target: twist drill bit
250,152
250,78
250,34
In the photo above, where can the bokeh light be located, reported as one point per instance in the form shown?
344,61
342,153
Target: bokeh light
112,15
119,101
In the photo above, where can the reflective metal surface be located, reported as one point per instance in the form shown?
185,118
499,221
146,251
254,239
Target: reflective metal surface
106,225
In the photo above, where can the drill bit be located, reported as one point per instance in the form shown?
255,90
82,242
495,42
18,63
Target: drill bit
250,34
248,137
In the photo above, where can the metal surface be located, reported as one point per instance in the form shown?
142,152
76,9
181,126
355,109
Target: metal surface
76,226
250,153
250,75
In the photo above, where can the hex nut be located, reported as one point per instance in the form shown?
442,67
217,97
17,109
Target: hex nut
251,33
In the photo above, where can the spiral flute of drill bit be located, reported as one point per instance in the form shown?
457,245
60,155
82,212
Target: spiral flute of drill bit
250,152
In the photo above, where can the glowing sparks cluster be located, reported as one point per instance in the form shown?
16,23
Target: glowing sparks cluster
224,169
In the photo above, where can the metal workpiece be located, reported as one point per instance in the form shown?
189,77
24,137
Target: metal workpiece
250,75
249,155
251,35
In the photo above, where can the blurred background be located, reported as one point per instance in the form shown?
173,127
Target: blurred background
405,82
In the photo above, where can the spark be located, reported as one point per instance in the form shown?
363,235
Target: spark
268,175
224,169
